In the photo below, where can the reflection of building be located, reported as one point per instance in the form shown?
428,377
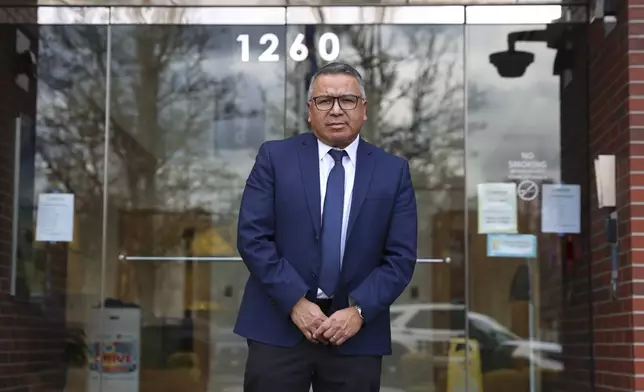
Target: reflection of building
184,303
181,234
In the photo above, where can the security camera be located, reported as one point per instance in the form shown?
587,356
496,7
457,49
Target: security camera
511,63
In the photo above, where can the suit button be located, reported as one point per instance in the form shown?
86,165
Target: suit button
313,275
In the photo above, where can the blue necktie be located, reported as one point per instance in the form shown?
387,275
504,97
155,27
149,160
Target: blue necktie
332,225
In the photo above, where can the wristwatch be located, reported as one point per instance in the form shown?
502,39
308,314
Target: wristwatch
352,302
359,309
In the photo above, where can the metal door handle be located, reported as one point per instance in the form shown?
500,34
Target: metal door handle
124,257
445,260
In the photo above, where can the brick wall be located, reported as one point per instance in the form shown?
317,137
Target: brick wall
31,332
617,127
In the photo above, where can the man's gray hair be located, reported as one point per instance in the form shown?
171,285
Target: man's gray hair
338,69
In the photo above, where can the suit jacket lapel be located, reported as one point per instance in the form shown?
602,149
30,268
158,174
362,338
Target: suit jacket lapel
364,171
310,168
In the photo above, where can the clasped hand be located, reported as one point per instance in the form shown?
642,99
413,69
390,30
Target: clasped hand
317,327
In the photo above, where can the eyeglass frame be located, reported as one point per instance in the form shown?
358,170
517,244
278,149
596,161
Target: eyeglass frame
336,98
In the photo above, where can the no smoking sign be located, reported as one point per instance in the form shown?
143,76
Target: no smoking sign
527,190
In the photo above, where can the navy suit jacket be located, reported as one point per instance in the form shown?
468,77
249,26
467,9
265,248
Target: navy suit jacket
278,239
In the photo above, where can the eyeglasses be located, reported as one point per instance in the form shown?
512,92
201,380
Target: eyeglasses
346,102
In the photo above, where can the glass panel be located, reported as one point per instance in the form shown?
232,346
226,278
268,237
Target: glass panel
52,115
375,15
525,14
414,84
190,105
198,15
532,100
73,15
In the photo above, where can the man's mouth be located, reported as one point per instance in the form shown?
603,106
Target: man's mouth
336,124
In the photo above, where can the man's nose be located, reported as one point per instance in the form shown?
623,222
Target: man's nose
336,110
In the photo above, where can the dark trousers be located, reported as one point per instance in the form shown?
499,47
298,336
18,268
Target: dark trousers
295,369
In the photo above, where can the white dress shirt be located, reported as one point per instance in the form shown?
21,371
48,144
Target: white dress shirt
326,164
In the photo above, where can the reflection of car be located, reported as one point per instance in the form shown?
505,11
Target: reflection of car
428,328
424,328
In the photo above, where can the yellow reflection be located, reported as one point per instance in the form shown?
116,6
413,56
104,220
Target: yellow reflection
209,242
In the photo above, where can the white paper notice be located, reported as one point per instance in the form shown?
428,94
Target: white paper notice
561,208
55,220
497,206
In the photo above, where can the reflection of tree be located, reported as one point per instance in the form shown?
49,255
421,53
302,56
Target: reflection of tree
415,87
414,80
161,109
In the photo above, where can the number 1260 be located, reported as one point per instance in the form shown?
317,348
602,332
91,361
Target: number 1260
328,47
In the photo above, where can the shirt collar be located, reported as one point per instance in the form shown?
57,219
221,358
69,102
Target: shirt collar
351,149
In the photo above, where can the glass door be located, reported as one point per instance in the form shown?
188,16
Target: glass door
526,116
193,93
188,113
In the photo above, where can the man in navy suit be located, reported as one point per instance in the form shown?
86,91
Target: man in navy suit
328,231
